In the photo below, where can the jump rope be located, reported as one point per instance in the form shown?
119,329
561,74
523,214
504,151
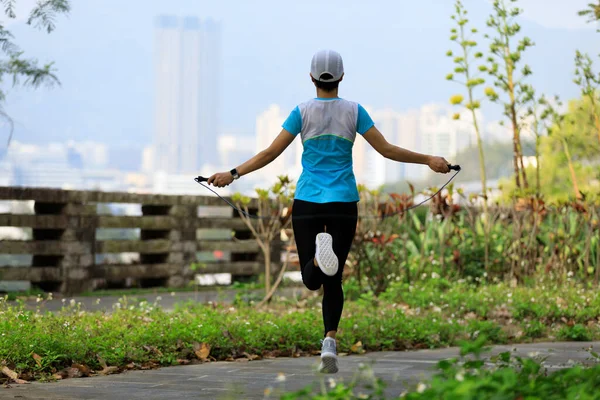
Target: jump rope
201,180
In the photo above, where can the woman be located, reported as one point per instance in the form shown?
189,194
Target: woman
324,213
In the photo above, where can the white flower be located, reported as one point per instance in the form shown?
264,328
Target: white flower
533,354
97,301
421,387
435,275
72,302
437,309
173,294
281,377
158,298
332,383
460,377
38,299
570,274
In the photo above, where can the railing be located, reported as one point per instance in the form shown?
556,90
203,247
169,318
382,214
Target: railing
170,234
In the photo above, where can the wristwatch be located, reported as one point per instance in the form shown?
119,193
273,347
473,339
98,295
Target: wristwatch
235,173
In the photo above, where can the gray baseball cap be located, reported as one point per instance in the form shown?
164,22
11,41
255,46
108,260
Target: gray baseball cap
327,62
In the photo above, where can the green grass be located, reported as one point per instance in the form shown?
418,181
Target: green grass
428,314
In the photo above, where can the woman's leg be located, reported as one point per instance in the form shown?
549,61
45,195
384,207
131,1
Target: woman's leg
306,225
342,229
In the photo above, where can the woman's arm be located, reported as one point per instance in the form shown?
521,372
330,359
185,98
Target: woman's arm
281,142
392,152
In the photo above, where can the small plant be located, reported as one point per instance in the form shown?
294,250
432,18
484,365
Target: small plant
464,38
589,82
504,63
274,212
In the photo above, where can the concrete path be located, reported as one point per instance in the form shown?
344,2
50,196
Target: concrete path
250,380
167,300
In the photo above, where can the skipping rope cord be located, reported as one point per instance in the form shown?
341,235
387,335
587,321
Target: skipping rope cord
456,168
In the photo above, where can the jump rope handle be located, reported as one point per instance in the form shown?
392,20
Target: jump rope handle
454,167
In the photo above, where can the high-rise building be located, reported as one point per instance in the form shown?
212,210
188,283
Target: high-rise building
187,75
268,126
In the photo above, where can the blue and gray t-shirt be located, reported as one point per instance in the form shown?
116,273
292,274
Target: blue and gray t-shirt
327,128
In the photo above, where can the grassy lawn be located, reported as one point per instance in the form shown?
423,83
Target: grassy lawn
428,314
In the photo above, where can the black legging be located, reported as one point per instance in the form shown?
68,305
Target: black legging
339,220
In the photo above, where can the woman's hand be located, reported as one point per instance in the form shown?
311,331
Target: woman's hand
438,164
221,179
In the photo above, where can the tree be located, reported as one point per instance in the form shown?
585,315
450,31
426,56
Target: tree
464,66
571,141
504,60
589,82
14,66
593,12
274,216
536,118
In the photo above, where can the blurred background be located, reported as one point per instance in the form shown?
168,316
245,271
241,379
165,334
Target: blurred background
153,93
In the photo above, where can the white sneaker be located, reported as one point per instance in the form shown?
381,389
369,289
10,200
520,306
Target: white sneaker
329,361
326,258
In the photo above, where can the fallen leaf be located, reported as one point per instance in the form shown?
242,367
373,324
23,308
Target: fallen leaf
13,375
182,361
101,361
179,345
106,370
251,357
109,370
131,365
202,350
73,372
57,376
356,347
38,359
153,350
84,369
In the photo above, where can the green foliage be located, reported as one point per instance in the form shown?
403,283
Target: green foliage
273,209
592,12
426,313
464,37
504,63
25,71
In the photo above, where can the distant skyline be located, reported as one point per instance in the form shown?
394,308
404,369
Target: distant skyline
393,52
187,60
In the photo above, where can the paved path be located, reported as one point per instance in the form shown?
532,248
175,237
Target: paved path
167,300
249,380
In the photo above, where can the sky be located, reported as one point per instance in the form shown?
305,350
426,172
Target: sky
393,50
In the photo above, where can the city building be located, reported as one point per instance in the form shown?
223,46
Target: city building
187,76
268,126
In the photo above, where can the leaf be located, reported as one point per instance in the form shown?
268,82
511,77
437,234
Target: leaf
202,350
13,375
153,350
106,370
84,369
109,370
38,359
357,348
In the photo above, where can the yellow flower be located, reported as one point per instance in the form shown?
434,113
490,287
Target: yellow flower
456,99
